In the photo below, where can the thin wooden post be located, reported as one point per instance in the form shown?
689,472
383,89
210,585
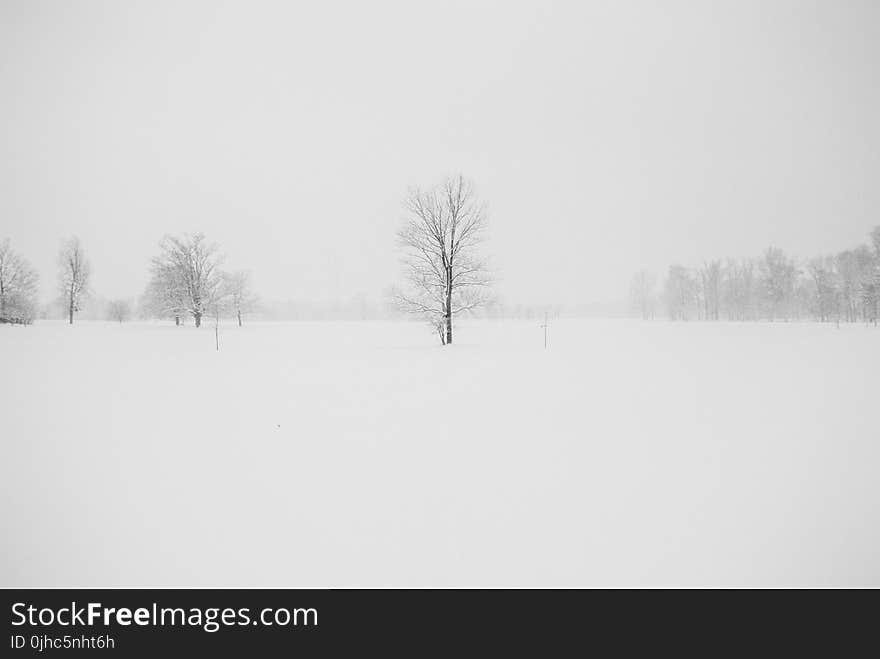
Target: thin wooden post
545,330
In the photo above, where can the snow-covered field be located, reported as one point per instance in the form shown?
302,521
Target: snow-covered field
365,454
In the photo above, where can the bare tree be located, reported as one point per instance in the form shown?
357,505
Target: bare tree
710,283
218,306
186,276
73,276
855,267
778,276
642,293
18,287
738,288
164,295
843,287
825,289
871,285
440,239
240,296
681,292
119,310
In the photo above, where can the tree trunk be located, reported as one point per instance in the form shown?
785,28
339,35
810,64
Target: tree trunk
70,308
239,318
448,305
198,319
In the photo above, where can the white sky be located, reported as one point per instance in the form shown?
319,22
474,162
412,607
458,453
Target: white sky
604,135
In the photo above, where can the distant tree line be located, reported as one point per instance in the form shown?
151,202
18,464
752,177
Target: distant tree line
185,282
841,287
19,283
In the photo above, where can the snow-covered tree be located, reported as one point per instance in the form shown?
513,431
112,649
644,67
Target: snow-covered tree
855,267
18,287
642,294
164,296
445,274
738,289
826,289
710,288
871,283
118,310
237,288
871,297
680,292
186,278
845,286
778,275
73,276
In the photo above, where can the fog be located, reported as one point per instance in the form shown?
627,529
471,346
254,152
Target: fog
605,136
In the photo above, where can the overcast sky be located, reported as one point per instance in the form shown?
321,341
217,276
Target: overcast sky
604,135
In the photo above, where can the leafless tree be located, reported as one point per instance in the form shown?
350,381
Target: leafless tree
738,288
219,305
842,287
825,287
445,274
872,289
186,276
779,278
642,293
681,292
710,284
238,291
18,287
119,310
164,297
73,276
856,269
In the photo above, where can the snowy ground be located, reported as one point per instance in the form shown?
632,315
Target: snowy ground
365,454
